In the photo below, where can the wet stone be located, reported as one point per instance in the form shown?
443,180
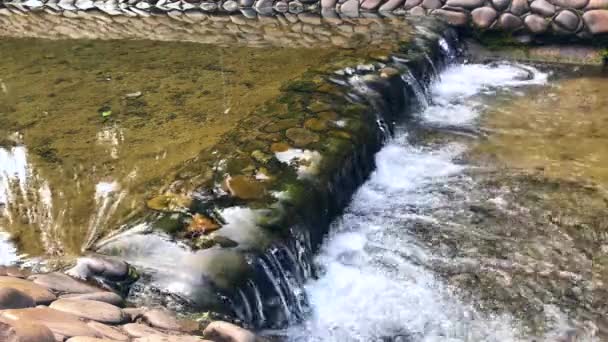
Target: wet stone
22,331
597,4
391,5
431,4
98,265
519,7
281,125
63,283
465,3
315,124
89,309
596,21
165,338
350,7
60,323
567,20
13,271
106,297
230,6
509,22
281,6
371,4
483,17
39,294
88,339
133,314
225,331
536,23
501,5
409,4
140,330
108,331
301,137
576,4
11,298
543,7
452,17
245,188
164,320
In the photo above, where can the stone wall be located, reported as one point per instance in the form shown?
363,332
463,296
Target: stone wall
575,18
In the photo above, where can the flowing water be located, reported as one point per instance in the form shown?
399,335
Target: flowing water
442,245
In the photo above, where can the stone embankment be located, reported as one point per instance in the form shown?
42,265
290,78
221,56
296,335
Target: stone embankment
570,18
55,306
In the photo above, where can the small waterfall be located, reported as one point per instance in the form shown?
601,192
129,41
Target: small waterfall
419,92
108,197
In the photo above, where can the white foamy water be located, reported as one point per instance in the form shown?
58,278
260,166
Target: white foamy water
375,280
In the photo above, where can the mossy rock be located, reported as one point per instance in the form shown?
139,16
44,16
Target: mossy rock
279,147
281,125
317,125
301,137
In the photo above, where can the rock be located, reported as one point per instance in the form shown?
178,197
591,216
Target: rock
246,3
409,4
576,4
164,320
90,309
483,17
134,313
244,187
201,224
567,20
417,11
103,266
465,3
543,7
11,298
60,323
225,331
281,125
350,7
140,330
281,6
431,4
596,21
63,283
230,6
224,242
501,5
536,23
208,6
14,271
301,137
165,338
372,4
452,17
509,22
21,331
39,294
328,3
519,7
108,332
87,339
391,5
295,7
106,297
597,4
170,203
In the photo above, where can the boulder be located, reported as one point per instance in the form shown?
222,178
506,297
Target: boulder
90,309
543,7
60,323
108,331
483,17
452,17
162,319
106,297
576,4
11,298
39,294
501,5
519,7
63,283
469,4
596,21
567,20
509,22
536,24
224,331
22,331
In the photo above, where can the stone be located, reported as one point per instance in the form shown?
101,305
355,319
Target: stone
165,338
63,283
60,323
14,271
108,331
329,3
140,330
225,331
100,265
162,319
431,4
200,224
501,5
575,4
519,7
483,17
230,6
246,3
409,4
134,314
90,309
39,294
596,21
169,203
88,339
301,137
452,17
350,7
244,187
597,4
509,22
371,4
106,297
208,6
391,5
567,20
543,7
536,24
281,125
21,331
465,3
11,298
281,6
295,7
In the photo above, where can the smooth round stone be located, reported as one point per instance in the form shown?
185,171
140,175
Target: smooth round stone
391,5
246,3
373,4
140,330
567,20
301,136
281,6
519,7
59,322
452,17
39,294
328,3
543,7
501,5
431,4
13,271
165,338
596,21
230,6
21,331
108,331
88,339
90,309
106,297
295,7
163,319
11,298
209,6
465,3
597,4
101,266
483,17
350,7
418,11
576,4
509,22
536,24
63,283
226,331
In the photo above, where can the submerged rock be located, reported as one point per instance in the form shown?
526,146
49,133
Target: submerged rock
202,225
244,187
170,203
301,137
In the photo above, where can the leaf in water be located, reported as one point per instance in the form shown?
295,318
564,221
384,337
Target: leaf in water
106,113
